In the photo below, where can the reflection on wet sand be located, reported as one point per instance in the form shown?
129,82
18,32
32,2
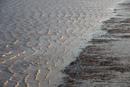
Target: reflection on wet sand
105,63
38,38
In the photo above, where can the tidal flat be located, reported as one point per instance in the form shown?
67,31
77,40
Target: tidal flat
39,38
106,62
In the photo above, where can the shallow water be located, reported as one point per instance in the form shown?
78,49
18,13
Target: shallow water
39,38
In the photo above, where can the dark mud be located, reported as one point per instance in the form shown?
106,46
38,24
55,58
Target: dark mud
105,63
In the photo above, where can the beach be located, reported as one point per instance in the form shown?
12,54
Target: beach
51,43
106,62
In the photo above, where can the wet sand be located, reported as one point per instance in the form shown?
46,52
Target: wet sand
106,62
39,38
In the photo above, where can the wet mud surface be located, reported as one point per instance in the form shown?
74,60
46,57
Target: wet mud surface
39,38
105,63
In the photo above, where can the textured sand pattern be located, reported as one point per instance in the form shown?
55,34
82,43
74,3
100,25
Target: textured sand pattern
106,62
38,38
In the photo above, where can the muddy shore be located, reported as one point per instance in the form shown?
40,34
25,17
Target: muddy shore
105,63
39,38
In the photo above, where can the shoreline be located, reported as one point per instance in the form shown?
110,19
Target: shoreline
106,61
39,38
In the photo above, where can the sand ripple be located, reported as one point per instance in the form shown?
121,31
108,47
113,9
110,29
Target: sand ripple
41,37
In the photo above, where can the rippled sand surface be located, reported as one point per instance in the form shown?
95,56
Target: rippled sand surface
38,38
106,62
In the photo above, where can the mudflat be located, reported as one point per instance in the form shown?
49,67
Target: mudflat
39,38
105,63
